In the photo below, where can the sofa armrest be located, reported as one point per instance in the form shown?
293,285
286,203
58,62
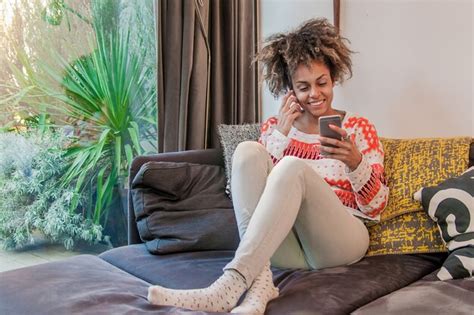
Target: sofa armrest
207,156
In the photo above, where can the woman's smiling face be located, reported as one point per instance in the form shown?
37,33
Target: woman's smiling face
313,88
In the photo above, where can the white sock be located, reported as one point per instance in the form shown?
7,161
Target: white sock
221,296
260,293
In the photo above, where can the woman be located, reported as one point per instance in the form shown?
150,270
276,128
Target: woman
297,199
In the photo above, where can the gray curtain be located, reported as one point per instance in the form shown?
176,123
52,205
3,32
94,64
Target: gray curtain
205,76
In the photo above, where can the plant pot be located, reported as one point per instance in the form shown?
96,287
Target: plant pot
116,223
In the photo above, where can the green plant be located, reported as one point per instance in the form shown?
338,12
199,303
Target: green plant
107,99
30,166
100,90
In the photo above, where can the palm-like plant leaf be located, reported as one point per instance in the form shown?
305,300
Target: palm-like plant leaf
101,89
99,94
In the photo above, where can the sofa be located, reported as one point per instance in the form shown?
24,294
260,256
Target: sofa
116,281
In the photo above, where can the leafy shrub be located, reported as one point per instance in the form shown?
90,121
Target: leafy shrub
31,166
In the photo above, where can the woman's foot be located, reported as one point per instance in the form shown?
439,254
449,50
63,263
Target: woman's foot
221,296
260,293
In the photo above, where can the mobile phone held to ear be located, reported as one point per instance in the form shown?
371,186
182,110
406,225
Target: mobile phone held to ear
325,131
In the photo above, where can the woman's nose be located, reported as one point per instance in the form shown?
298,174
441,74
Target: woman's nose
314,92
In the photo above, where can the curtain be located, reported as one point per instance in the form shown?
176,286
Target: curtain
336,9
205,74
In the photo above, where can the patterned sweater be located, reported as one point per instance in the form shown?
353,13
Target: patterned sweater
363,191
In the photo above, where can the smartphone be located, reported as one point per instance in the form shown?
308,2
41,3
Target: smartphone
325,131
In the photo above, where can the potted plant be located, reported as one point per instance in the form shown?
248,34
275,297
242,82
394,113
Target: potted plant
107,99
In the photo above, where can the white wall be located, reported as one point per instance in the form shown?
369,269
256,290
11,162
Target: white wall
413,73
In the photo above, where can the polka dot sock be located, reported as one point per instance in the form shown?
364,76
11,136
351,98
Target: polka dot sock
260,293
221,296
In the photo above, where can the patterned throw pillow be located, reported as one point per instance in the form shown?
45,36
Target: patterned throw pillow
231,136
410,233
451,205
414,163
459,264
405,228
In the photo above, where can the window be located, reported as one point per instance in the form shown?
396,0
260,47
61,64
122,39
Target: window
77,103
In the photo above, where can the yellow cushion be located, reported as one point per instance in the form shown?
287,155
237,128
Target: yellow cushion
409,233
414,163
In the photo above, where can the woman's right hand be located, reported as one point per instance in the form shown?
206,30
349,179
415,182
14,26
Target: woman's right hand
290,110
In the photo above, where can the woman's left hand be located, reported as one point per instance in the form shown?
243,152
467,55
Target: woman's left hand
345,150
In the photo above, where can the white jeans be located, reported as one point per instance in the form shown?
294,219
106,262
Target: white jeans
289,212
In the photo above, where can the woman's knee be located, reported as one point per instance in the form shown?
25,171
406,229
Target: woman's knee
248,152
290,165
288,169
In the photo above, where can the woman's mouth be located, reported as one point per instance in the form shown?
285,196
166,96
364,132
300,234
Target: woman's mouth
316,103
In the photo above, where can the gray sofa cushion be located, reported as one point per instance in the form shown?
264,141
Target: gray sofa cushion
111,284
426,296
80,285
338,290
183,207
187,270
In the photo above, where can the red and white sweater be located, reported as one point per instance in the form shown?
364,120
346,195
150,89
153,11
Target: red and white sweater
363,191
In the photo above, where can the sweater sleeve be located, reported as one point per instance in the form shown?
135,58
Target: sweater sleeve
273,140
368,180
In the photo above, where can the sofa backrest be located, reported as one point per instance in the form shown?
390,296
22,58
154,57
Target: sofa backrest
209,156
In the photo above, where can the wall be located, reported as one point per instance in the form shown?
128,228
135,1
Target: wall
413,70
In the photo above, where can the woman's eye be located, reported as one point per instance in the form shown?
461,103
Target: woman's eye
322,83
302,89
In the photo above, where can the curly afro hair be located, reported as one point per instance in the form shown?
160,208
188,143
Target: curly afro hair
315,39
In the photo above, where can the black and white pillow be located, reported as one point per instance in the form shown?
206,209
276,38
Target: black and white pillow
459,264
231,136
451,205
